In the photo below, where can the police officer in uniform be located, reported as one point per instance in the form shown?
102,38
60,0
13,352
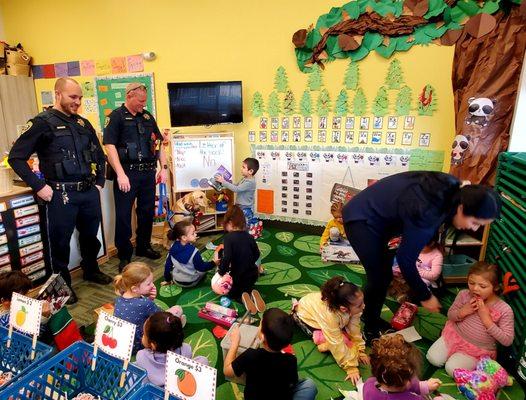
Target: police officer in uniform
72,162
133,144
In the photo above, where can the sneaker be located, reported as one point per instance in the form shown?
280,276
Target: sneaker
258,301
148,252
122,264
72,297
98,277
249,303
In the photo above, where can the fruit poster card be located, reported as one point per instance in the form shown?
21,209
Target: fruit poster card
188,379
114,336
25,314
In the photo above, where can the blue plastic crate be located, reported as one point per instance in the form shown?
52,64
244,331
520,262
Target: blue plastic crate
70,372
149,392
17,358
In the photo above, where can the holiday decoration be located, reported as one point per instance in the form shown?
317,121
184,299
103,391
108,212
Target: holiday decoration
403,101
257,106
427,101
395,77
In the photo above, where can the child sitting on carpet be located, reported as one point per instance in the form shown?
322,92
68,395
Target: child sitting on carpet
477,320
239,255
334,226
184,265
162,332
270,373
136,294
60,325
332,319
395,365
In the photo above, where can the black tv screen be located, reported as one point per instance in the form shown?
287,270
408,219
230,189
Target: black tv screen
205,103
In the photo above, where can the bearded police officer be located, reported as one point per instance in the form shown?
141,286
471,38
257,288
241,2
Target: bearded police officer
72,163
133,143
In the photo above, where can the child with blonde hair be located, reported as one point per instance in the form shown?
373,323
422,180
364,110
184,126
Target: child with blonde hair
135,303
395,365
334,228
478,319
162,331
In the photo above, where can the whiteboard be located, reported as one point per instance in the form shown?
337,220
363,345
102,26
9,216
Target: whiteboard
196,159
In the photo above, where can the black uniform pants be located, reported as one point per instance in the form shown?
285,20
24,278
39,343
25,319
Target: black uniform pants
82,211
142,189
377,261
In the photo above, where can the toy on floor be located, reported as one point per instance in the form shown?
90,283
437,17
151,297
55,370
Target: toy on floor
255,228
221,284
404,316
340,252
220,315
484,382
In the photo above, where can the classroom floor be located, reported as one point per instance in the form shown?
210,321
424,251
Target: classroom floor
293,269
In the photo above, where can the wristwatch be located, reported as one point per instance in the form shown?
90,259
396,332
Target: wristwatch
165,166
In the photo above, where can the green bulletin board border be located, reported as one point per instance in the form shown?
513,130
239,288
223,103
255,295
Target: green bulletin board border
116,84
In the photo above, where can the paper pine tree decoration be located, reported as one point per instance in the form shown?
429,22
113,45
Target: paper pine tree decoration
258,106
315,79
380,104
274,106
281,82
359,103
289,103
306,104
427,101
395,76
403,101
352,76
324,103
341,108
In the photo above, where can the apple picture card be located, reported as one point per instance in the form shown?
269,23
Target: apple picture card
114,336
188,379
25,314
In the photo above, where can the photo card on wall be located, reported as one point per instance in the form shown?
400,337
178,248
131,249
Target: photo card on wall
274,123
349,137
296,122
284,136
308,122
322,136
349,123
392,122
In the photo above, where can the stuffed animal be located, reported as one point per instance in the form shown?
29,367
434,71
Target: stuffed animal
484,382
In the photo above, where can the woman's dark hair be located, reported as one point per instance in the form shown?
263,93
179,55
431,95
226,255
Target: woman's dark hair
165,331
480,201
337,292
13,282
179,229
235,216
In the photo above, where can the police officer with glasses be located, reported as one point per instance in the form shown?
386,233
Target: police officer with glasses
72,163
133,144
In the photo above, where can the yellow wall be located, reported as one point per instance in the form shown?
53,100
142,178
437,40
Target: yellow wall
209,40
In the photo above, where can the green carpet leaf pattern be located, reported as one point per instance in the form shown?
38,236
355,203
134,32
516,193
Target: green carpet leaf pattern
285,236
264,250
230,391
286,250
170,291
309,243
358,268
429,324
311,261
321,368
161,304
323,276
193,300
278,273
285,305
265,235
203,344
298,290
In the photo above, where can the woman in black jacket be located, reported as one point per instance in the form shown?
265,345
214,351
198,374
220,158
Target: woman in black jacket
414,205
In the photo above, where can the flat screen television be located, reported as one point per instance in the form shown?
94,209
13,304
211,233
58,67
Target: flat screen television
205,103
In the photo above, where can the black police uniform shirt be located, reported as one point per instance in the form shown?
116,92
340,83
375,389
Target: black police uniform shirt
135,137
67,148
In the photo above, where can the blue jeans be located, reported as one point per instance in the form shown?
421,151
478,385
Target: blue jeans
305,389
249,215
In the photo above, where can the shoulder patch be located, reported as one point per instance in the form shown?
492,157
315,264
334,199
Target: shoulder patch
81,122
146,116
106,122
25,128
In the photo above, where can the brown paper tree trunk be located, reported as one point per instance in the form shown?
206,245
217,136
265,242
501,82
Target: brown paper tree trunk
486,70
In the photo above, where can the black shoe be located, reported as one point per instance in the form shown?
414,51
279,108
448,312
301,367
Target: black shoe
72,298
122,264
148,253
98,277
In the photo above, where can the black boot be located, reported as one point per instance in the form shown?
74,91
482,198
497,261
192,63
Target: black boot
122,264
72,298
98,277
147,252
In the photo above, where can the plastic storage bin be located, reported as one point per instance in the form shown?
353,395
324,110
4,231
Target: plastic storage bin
149,392
456,266
17,358
248,339
70,372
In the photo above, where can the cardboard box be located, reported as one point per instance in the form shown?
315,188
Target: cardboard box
18,69
17,57
249,339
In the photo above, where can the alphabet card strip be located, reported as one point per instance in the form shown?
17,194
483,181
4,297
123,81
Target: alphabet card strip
188,379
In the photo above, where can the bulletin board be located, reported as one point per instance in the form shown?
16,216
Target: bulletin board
110,92
196,159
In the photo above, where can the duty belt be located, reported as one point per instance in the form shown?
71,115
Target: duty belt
80,186
148,166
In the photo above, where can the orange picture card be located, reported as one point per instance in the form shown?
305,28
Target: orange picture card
265,201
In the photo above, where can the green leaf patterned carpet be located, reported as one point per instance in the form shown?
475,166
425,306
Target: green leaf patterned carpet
293,269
